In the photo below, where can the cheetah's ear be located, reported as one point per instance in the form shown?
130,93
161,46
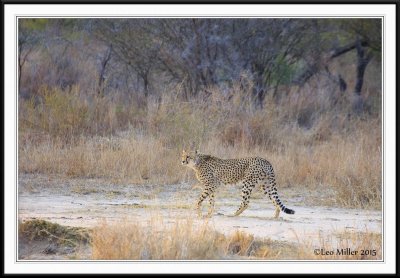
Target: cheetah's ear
196,151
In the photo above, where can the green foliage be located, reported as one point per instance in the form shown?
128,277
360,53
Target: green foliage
283,72
33,24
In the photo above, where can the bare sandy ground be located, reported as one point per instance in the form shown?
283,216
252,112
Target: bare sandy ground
88,202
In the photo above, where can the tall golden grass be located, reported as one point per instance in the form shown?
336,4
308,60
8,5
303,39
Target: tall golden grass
184,240
157,242
313,142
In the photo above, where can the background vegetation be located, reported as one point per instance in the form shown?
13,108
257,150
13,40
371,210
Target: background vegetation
120,98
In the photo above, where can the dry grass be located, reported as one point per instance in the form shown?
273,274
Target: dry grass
349,245
185,241
38,229
137,242
136,160
39,239
179,241
313,142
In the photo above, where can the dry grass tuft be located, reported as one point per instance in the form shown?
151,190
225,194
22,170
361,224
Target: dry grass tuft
38,229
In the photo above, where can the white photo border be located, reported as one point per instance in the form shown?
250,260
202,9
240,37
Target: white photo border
385,11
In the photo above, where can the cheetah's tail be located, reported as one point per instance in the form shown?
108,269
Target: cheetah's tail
282,206
288,211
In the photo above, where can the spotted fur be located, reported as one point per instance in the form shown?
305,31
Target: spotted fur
250,172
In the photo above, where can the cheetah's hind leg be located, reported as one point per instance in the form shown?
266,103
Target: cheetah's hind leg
241,209
267,191
277,211
211,203
246,193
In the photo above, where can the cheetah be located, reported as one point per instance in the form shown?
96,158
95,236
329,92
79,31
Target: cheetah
252,171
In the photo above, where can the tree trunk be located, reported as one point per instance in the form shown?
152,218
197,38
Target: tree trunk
21,61
146,85
363,59
258,89
106,58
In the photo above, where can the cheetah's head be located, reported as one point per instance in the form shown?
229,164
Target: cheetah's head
189,159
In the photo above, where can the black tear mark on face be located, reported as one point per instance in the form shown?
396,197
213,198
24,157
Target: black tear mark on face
185,158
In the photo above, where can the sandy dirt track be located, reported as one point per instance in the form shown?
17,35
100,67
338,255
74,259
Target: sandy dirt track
88,202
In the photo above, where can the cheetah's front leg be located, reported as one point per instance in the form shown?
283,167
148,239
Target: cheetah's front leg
208,191
203,195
